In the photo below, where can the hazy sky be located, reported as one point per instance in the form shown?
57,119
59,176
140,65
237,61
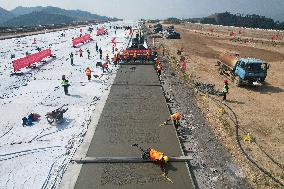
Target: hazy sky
134,9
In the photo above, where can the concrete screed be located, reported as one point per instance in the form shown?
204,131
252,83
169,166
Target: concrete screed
133,112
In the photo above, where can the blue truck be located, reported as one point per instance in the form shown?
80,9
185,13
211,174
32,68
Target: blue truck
242,71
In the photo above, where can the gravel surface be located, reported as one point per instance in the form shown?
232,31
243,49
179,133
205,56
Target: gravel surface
212,166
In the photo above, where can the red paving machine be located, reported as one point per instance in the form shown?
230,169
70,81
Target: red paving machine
138,51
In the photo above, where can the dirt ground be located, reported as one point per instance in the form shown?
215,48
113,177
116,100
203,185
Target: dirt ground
259,110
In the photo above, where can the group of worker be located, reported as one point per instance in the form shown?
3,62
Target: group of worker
145,57
159,157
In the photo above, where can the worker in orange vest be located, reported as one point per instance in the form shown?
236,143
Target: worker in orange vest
114,59
118,57
148,56
125,56
88,73
159,69
156,156
134,56
175,118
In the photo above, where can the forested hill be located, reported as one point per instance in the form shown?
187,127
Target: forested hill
249,21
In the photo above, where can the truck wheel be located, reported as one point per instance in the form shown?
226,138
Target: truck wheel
238,81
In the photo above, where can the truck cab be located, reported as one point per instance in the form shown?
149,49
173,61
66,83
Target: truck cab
250,70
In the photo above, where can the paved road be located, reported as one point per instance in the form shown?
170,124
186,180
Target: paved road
132,114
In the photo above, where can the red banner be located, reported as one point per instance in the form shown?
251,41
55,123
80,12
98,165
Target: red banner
30,59
82,39
101,31
138,51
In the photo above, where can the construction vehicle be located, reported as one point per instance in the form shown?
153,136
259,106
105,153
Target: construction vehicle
158,28
248,71
56,116
139,47
172,35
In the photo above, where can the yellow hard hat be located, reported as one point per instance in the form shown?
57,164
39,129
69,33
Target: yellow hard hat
166,159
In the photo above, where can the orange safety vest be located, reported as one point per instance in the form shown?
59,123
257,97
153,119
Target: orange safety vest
88,72
148,55
156,155
175,116
118,55
114,57
125,55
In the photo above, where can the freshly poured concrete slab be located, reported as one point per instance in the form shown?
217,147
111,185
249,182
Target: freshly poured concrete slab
133,112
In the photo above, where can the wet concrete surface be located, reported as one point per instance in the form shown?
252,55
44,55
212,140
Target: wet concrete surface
133,112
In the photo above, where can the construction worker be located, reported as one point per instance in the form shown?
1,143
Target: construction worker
89,53
118,57
148,56
156,156
175,118
88,73
101,53
134,56
114,59
126,56
225,90
105,67
81,52
97,48
112,48
159,69
72,59
65,84
153,53
183,69
157,60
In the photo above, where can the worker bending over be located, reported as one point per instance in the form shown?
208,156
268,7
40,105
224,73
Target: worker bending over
175,118
156,156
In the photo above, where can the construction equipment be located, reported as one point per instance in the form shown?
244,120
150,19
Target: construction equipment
158,28
127,159
249,71
56,116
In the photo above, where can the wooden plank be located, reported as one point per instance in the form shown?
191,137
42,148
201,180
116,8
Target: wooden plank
127,159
